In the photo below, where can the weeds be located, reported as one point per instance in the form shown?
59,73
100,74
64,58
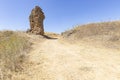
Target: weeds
13,48
105,33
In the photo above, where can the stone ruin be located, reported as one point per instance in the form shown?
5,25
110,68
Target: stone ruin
36,21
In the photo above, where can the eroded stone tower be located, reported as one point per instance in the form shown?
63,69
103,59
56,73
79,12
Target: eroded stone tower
36,19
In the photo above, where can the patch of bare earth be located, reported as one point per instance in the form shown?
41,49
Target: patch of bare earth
52,59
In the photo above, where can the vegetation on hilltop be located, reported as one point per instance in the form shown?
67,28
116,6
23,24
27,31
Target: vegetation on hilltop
106,33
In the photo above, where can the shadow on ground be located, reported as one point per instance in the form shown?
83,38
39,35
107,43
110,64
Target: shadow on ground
48,37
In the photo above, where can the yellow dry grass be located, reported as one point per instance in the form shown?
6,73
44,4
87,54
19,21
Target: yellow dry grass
13,48
106,34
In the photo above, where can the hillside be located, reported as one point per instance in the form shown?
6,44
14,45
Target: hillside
106,34
88,52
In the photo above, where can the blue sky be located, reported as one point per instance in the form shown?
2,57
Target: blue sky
60,14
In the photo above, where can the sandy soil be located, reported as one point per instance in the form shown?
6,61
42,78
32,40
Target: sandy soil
56,60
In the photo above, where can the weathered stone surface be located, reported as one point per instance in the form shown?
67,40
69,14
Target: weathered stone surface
36,21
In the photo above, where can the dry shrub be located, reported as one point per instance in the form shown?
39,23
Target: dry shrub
13,49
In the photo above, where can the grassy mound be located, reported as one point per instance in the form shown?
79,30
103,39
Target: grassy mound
13,49
106,33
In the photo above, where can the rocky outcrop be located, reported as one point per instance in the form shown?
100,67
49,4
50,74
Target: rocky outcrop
36,21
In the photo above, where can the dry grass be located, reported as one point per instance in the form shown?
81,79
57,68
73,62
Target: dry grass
105,33
13,48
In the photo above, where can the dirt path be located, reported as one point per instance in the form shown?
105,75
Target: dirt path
53,60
